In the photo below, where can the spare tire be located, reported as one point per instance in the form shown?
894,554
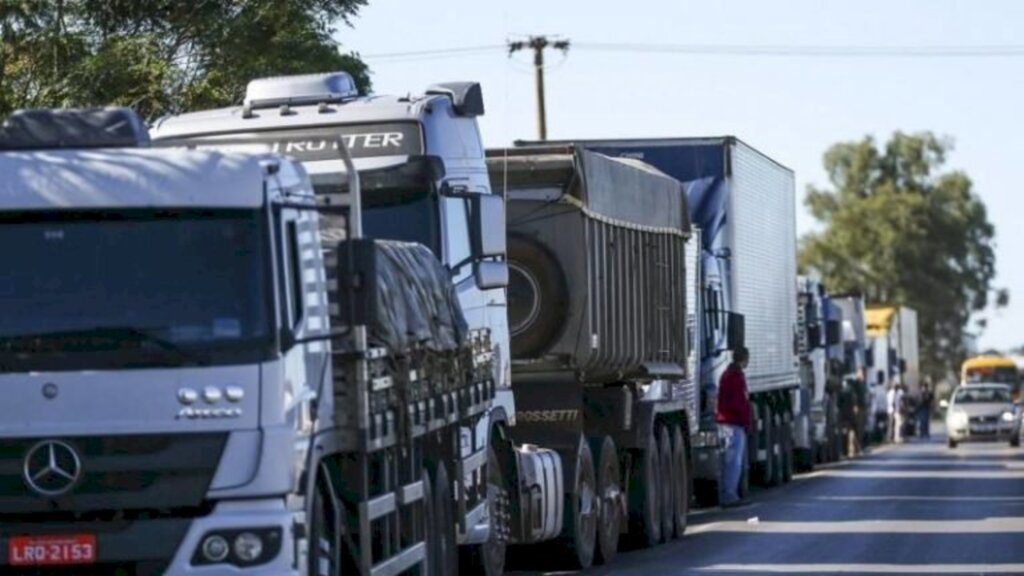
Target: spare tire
538,299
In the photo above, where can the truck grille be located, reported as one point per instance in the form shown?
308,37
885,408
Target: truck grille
120,475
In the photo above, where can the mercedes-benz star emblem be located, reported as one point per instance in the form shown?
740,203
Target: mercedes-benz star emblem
52,468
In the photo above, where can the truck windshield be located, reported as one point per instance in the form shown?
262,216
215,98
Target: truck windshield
95,290
398,214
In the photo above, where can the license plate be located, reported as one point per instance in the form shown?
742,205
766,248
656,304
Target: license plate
52,550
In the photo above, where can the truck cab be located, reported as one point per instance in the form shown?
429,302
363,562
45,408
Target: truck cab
154,421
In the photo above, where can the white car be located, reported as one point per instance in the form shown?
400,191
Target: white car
982,413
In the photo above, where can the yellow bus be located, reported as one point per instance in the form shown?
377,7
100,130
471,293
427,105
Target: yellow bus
991,369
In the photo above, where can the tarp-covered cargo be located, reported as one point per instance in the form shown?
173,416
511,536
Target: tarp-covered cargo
401,293
596,258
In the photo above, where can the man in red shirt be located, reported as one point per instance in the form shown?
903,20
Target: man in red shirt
733,419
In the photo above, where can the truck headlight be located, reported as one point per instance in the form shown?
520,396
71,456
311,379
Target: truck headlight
1007,416
241,547
248,547
215,549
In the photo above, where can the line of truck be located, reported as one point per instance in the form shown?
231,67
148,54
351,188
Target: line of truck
323,333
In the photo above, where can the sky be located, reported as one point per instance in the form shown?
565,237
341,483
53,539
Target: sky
791,108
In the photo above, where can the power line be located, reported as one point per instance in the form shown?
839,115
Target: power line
836,51
807,50
439,52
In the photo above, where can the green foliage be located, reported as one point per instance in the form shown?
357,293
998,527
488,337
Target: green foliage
903,231
163,56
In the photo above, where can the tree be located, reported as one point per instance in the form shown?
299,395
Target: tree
901,230
163,56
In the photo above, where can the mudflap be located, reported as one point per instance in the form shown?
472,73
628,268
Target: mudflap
707,466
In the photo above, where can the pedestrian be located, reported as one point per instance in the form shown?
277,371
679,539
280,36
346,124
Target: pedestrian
894,407
924,411
733,417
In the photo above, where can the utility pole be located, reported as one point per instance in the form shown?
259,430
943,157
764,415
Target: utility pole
538,44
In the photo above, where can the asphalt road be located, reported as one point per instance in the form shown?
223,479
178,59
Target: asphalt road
915,508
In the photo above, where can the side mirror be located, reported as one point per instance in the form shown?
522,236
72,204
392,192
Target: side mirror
944,404
488,226
833,332
814,335
490,275
735,331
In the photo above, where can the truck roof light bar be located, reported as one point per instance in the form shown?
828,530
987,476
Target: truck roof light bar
299,90
47,129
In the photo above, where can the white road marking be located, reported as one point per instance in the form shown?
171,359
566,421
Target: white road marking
1001,525
1006,499
868,568
931,474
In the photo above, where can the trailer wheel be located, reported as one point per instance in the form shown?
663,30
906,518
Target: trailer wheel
787,451
667,483
609,498
324,540
681,482
488,558
580,526
775,448
644,505
442,534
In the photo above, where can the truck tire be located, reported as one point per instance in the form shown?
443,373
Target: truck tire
609,499
488,559
681,484
788,463
775,449
324,540
667,483
1015,440
580,521
644,504
538,299
445,557
951,443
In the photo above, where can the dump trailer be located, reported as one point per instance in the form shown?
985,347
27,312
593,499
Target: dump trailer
209,390
598,292
745,206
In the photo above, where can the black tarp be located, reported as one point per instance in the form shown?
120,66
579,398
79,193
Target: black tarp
403,294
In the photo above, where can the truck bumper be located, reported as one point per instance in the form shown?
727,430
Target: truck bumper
233,517
169,545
